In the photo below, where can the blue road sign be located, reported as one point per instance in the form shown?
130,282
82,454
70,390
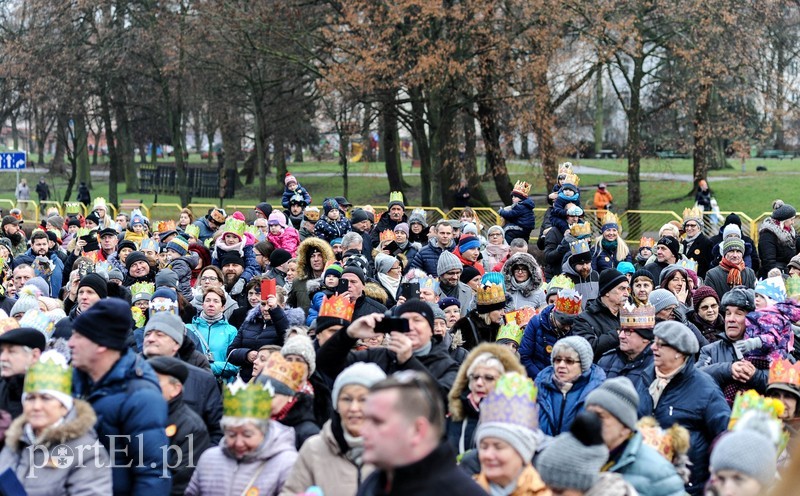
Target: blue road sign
12,160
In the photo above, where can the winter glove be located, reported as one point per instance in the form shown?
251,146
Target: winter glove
748,345
238,287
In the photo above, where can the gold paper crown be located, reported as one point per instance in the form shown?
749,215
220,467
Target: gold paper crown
99,202
646,242
572,179
688,264
337,307
429,283
521,317
522,188
579,246
50,372
752,401
565,168
513,401
694,214
166,225
72,208
288,373
234,226
610,218
252,400
633,317
396,196
568,301
253,230
561,281
510,331
192,231
311,213
490,294
784,371
142,288
792,286
581,229
387,235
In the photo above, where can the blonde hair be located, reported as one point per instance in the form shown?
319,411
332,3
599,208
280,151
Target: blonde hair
622,247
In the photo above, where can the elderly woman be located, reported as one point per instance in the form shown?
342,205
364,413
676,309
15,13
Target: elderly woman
214,333
777,238
266,323
389,272
475,380
743,464
564,385
669,392
524,285
705,314
51,418
331,460
496,250
256,454
507,438
609,249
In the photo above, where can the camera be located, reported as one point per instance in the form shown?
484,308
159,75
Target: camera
391,323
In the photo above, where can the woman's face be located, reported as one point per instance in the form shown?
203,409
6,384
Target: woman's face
253,297
184,219
496,238
500,463
610,234
416,228
482,381
400,236
521,273
208,279
42,410
260,361
243,440
4,253
732,483
123,254
453,313
666,358
567,365
212,304
708,309
677,284
291,271
350,406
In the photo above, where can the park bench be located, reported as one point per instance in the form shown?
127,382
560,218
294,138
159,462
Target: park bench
666,154
779,154
606,153
128,204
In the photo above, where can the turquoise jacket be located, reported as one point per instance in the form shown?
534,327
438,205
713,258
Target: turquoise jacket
215,338
646,470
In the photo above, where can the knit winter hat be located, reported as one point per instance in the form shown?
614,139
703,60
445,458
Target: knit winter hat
415,305
402,227
577,344
333,269
178,245
782,211
96,282
618,397
92,217
626,268
468,273
302,347
135,256
289,179
363,374
418,217
610,279
169,324
574,459
352,269
278,257
732,243
115,274
231,257
447,262
740,297
731,230
360,215
40,284
438,313
329,204
166,278
772,288
106,323
701,294
265,208
27,299
384,263
468,242
747,452
449,302
672,244
678,336
662,298
165,292
276,218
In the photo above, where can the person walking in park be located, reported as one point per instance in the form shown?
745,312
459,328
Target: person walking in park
23,193
43,191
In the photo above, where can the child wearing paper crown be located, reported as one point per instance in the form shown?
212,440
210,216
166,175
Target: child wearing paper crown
282,235
292,187
768,333
519,216
569,194
234,238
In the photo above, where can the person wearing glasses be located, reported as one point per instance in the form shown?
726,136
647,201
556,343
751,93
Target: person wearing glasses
402,432
524,285
633,355
671,390
564,385
209,277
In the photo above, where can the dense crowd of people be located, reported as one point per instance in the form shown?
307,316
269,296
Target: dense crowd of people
339,351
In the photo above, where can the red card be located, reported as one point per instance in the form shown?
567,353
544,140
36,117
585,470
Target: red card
268,288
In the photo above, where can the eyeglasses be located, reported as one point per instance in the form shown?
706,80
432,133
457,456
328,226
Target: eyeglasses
691,226
495,234
660,343
568,361
209,278
488,379
520,268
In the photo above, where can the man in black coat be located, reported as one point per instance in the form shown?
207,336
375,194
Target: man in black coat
599,323
696,245
395,215
667,253
188,436
364,304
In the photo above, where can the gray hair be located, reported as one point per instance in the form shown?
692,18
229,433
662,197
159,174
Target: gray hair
519,243
487,360
229,422
351,239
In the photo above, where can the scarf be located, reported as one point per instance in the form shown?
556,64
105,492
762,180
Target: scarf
609,246
498,252
211,320
356,451
423,351
285,410
525,287
734,271
390,283
497,490
656,388
690,240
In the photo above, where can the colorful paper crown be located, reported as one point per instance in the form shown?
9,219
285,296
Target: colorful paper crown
337,307
82,231
610,219
522,188
688,264
568,301
572,178
288,374
38,320
256,232
510,331
581,230
252,400
396,196
579,246
646,242
99,202
633,317
72,208
565,168
51,372
166,226
430,283
784,372
491,294
513,401
311,214
752,401
140,289
521,317
669,442
560,281
387,235
139,318
163,305
694,214
150,244
792,284
234,226
192,231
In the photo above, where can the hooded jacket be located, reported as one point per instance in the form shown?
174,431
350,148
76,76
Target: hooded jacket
556,409
254,333
288,240
537,342
598,326
219,472
529,293
183,268
39,478
215,338
776,246
298,296
427,258
589,288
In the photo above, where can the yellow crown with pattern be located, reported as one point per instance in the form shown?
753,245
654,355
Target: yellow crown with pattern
568,301
387,236
142,288
565,168
581,230
491,294
572,178
610,218
694,214
396,196
311,213
234,226
253,230
522,188
289,374
688,264
646,242
633,317
50,372
792,284
521,317
192,231
72,208
750,400
510,331
99,202
513,401
166,225
579,246
337,307
560,281
785,372
252,400
430,283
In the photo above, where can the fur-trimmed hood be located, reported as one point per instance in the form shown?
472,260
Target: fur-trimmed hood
303,251
376,292
528,261
773,226
79,421
503,353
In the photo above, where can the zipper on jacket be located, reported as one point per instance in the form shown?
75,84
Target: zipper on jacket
561,416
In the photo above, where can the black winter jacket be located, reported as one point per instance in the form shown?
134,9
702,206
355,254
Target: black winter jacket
183,422
700,250
599,326
717,358
254,333
201,394
300,417
366,305
616,364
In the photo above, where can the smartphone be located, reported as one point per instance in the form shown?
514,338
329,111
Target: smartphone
390,324
343,286
409,290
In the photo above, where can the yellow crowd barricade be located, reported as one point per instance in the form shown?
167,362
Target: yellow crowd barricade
201,209
164,211
48,204
488,217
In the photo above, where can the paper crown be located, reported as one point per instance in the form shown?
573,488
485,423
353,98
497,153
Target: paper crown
792,284
38,320
521,317
82,231
633,317
572,178
490,294
8,323
668,442
256,232
565,168
149,244
311,214
522,188
513,401
510,331
688,264
138,316
784,372
192,231
166,226
252,400
396,196
430,283
289,374
560,281
337,307
581,230
234,226
72,208
609,219
50,372
694,214
579,246
568,301
646,242
387,235
99,202
752,401
163,305
139,289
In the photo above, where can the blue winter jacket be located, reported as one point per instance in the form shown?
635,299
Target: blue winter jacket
329,230
129,405
54,279
603,259
557,410
520,215
647,470
691,399
288,194
428,257
205,230
254,333
615,364
537,343
215,338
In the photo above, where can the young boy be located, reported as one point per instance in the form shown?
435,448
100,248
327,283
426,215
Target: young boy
233,239
292,188
137,230
177,260
330,280
519,216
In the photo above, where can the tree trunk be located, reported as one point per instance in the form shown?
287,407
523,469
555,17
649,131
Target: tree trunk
344,148
81,151
477,194
390,144
14,131
543,129
421,144
298,153
125,140
634,148
261,165
113,157
369,153
495,160
57,166
700,154
598,113
280,159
